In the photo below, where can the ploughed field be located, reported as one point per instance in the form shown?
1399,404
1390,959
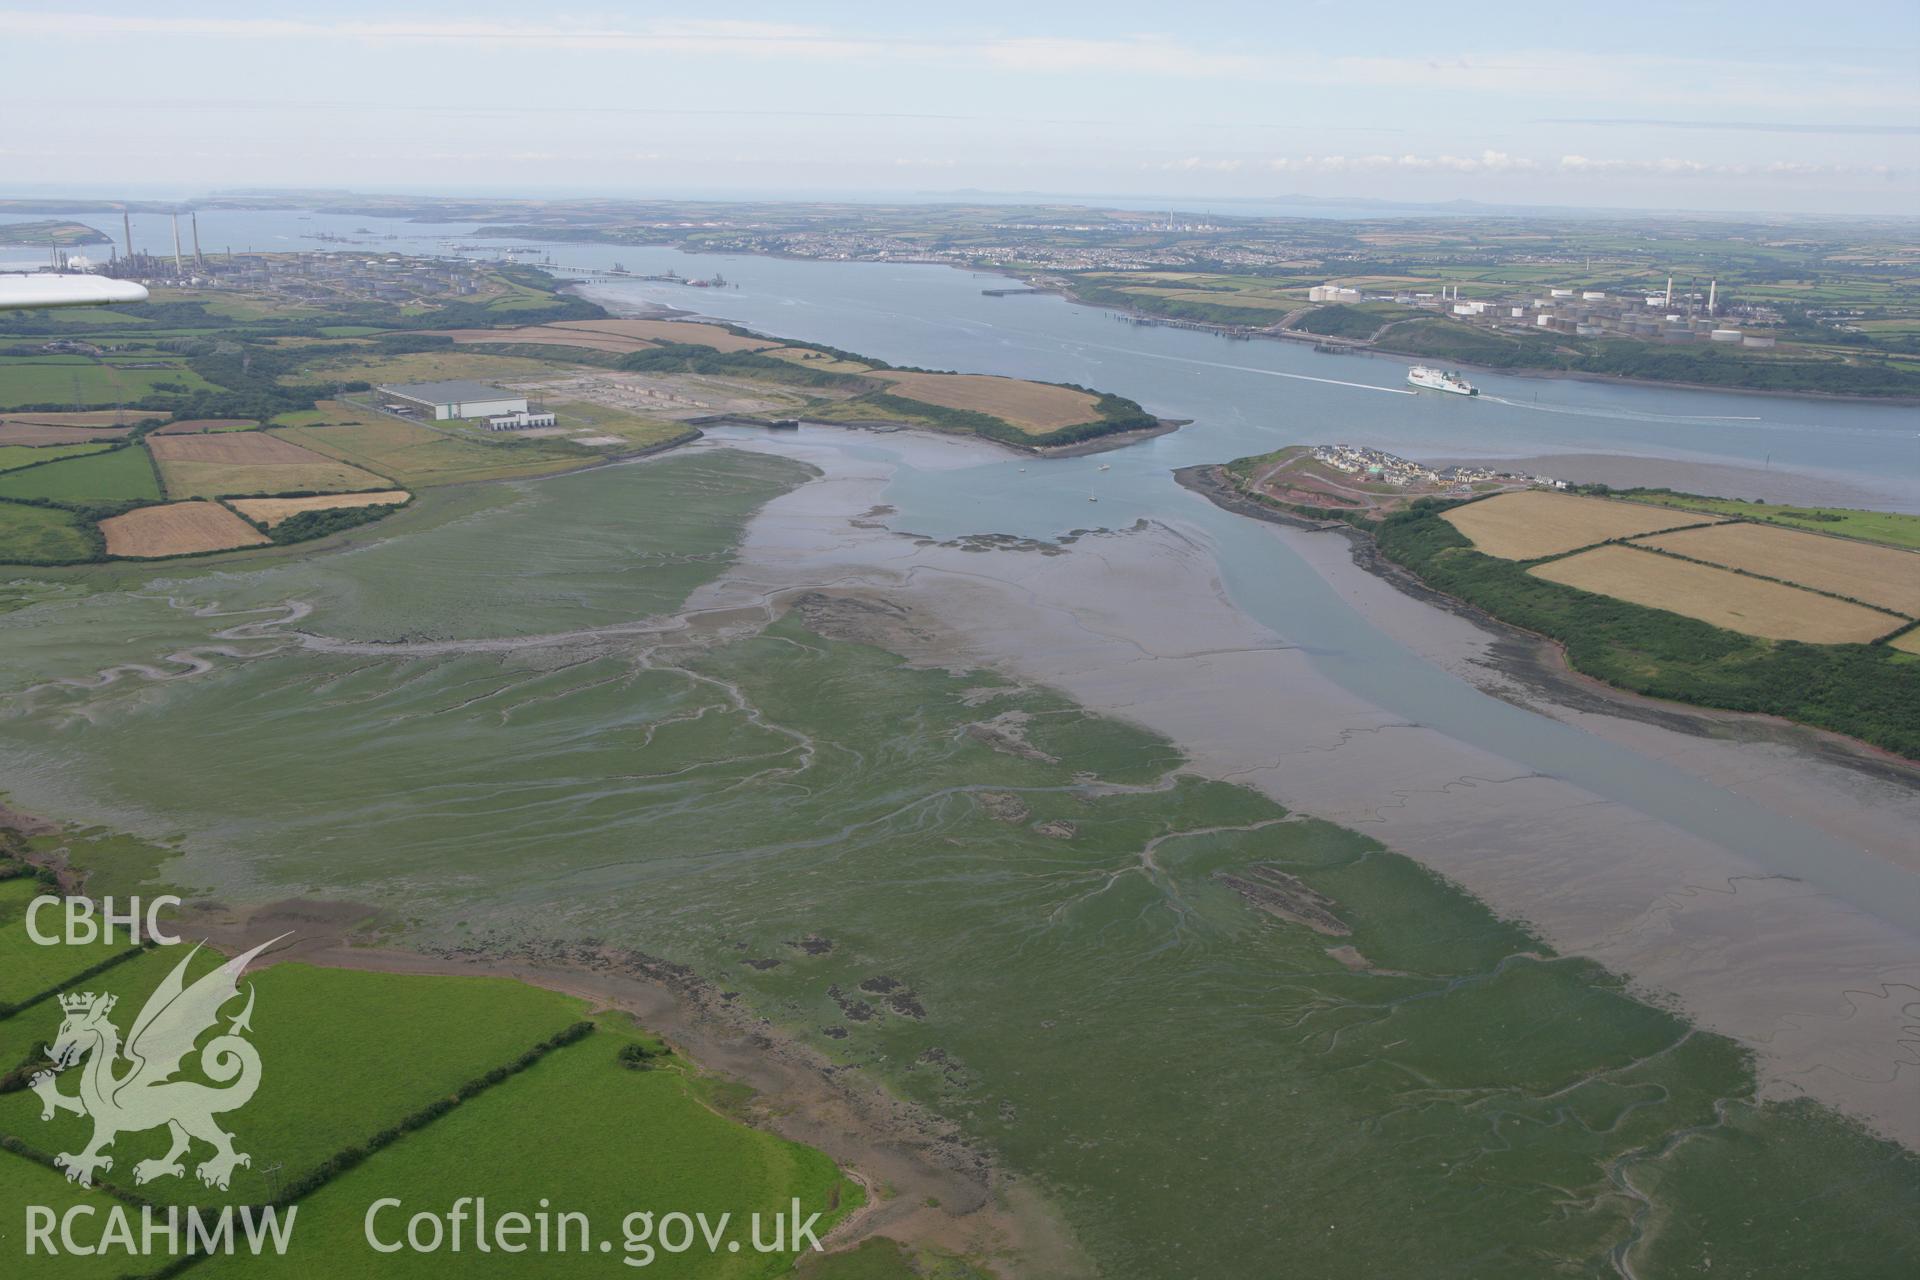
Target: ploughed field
1225,1039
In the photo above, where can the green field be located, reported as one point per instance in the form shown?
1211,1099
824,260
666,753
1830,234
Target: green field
22,1183
369,365
15,456
122,474
1890,527
28,969
330,1038
410,1068
31,535
428,1073
419,456
588,1135
82,383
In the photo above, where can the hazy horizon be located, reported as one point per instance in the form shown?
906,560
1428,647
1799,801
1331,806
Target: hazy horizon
1740,108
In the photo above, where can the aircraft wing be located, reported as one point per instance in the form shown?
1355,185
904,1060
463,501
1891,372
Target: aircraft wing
46,290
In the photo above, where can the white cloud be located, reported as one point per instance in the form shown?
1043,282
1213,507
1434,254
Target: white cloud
1195,164
1486,162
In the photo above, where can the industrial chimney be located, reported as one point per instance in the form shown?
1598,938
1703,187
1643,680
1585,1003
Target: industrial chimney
178,270
126,224
1713,291
198,259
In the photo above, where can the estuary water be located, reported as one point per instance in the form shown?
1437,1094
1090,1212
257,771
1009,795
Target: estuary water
1319,661
1243,396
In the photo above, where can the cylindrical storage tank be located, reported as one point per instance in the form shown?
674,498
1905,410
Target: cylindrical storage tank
1755,340
1725,335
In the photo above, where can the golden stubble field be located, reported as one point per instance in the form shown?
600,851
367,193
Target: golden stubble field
271,511
1886,576
672,331
1526,526
178,528
1751,606
1034,407
204,466
540,335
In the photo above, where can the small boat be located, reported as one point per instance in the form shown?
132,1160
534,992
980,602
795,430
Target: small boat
1106,466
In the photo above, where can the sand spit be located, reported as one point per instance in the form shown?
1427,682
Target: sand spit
1139,625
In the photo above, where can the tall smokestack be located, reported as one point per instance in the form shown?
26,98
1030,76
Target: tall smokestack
1713,291
198,260
126,224
178,269
1669,291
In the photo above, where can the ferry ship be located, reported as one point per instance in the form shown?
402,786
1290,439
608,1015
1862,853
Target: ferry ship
1440,380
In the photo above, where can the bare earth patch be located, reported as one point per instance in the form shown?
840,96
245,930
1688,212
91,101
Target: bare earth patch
1886,576
271,511
1525,526
1751,606
1031,406
178,529
1280,893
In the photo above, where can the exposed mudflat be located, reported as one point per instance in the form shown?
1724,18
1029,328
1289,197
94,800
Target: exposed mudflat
1139,624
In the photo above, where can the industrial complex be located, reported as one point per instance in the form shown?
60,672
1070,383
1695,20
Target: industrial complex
1662,316
457,399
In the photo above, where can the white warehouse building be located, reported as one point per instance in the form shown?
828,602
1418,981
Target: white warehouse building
459,399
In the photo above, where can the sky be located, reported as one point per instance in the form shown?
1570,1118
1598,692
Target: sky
1713,106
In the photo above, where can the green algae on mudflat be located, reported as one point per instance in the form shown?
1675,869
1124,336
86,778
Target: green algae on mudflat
1070,979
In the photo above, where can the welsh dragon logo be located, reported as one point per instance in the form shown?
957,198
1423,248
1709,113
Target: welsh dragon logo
130,1087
